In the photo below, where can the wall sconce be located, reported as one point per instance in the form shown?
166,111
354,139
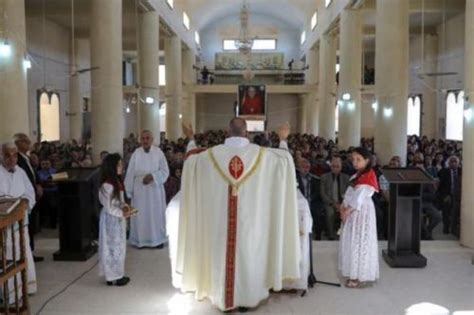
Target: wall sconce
149,100
388,112
27,62
346,96
375,106
351,106
5,49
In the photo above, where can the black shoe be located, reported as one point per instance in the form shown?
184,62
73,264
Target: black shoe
38,259
243,309
161,246
120,282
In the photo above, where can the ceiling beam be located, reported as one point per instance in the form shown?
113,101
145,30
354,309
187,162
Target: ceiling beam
414,30
433,6
430,6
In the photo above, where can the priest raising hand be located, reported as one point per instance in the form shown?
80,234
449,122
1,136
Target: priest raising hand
147,172
238,229
188,131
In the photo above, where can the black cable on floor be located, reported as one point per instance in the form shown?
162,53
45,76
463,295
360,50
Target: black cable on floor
65,288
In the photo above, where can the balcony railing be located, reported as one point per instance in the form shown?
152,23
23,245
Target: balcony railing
277,77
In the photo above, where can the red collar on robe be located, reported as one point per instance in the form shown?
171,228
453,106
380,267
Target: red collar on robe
368,178
194,151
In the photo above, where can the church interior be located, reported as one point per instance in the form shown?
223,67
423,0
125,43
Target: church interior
83,78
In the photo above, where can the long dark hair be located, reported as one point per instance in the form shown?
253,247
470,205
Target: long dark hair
108,173
367,156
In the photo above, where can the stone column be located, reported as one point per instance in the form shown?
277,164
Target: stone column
391,78
312,105
467,213
149,60
75,97
106,97
302,112
189,79
327,87
14,111
173,87
350,78
430,106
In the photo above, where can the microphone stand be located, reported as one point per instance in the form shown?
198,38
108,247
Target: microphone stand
312,280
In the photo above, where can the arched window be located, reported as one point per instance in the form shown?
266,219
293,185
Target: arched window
49,116
414,115
454,115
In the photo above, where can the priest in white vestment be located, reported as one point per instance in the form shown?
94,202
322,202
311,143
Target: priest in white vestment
144,184
14,183
238,231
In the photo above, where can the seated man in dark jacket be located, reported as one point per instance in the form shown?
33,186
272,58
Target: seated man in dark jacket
430,211
309,185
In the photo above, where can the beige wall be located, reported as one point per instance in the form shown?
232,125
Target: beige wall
214,111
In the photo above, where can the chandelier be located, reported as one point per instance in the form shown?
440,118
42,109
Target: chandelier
244,43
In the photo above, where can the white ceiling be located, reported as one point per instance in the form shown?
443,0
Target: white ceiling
203,12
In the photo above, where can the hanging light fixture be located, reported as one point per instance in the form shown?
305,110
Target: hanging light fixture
244,43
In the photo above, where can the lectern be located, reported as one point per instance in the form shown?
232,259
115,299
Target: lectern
405,217
78,208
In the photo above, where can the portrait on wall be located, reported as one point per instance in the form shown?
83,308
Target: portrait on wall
252,101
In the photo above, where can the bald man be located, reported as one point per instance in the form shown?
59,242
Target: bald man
15,183
144,183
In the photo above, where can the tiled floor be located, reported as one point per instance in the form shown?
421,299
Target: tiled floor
448,280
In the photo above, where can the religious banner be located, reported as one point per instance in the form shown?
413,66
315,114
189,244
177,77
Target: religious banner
256,61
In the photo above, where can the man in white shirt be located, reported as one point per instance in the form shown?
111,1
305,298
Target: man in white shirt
14,183
144,183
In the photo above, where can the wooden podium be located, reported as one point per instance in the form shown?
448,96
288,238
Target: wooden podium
78,207
405,214
10,268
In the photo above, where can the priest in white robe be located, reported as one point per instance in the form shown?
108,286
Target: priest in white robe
144,184
238,234
14,183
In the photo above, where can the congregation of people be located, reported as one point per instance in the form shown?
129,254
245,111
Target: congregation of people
319,164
